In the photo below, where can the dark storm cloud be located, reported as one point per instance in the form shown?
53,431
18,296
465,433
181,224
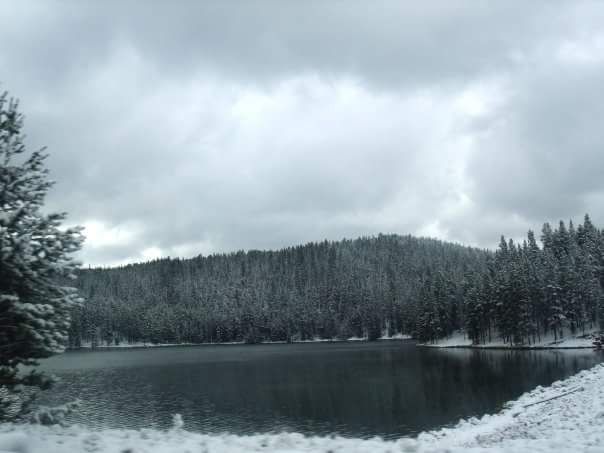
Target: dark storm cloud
193,127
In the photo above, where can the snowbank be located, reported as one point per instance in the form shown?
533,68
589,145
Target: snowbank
460,340
573,421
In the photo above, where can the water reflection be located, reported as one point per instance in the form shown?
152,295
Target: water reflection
390,389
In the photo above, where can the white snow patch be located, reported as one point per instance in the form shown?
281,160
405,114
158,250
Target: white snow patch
396,336
568,417
458,339
579,341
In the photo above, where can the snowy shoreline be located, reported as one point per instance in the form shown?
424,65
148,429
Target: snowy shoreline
460,340
564,417
395,337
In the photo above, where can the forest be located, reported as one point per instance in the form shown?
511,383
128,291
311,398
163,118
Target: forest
526,291
351,288
367,288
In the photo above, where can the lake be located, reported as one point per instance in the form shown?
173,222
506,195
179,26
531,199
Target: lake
387,388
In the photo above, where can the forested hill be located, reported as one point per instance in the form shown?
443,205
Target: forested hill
366,287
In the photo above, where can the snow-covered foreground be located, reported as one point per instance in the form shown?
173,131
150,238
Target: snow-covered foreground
573,421
460,340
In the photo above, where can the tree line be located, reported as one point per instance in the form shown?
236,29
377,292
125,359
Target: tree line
368,287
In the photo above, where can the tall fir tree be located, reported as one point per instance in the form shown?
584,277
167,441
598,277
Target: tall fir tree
35,264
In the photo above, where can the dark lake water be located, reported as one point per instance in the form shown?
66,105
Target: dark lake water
390,388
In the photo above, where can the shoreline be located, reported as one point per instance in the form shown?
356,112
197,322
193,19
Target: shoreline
459,339
504,348
397,337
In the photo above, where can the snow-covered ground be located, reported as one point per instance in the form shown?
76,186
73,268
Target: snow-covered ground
567,416
569,341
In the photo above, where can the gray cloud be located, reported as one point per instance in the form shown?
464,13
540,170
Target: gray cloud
544,157
204,127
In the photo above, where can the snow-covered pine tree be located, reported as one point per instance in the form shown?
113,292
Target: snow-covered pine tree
34,265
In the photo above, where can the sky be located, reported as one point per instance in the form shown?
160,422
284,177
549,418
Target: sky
185,128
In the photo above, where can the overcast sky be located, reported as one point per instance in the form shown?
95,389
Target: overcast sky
180,128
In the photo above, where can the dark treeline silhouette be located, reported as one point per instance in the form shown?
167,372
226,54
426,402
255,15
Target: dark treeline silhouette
367,287
352,288
526,292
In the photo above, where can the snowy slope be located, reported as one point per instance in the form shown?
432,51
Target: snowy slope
573,422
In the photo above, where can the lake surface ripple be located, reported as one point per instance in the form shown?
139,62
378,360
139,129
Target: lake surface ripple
389,388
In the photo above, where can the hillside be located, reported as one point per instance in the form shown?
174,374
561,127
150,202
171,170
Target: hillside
367,288
351,288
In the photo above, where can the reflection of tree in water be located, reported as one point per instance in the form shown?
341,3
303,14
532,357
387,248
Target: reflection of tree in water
466,382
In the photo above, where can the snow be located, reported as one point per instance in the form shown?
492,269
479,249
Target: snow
457,340
569,341
396,336
357,339
88,345
568,417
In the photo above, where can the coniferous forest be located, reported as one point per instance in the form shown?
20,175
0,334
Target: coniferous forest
369,287
527,291
351,288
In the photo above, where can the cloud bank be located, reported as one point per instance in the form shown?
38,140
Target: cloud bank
188,128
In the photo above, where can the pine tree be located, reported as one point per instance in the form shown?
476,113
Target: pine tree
34,264
473,309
